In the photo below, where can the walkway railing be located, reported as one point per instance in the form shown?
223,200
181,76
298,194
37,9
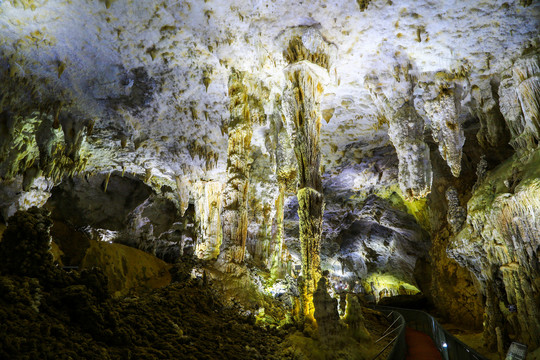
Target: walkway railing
449,346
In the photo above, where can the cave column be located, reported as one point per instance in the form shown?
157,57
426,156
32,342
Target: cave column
235,196
276,264
301,105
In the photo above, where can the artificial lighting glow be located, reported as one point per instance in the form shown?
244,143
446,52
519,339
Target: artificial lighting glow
444,345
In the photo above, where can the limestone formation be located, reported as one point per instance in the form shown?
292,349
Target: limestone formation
192,130
301,107
519,92
493,132
406,131
442,106
456,214
235,194
208,206
286,171
500,245
481,169
326,311
354,318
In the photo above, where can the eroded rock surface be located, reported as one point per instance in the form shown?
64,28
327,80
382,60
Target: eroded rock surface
197,128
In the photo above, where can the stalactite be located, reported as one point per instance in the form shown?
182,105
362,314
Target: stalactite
485,105
183,194
406,131
107,178
442,107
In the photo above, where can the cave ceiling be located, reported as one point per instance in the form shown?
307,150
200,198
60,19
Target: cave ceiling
145,84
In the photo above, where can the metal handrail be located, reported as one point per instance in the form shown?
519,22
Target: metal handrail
399,350
450,347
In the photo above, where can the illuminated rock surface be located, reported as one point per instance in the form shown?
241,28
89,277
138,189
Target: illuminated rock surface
392,143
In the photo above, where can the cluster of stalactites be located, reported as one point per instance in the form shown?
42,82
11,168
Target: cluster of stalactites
32,145
519,95
406,132
500,244
297,51
515,253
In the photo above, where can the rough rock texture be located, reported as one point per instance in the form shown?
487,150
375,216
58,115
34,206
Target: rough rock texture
442,105
115,112
373,241
519,93
405,130
235,194
84,201
456,215
326,311
301,108
153,226
500,246
24,248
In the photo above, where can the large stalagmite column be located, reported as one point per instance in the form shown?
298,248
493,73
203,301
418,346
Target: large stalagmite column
301,107
234,214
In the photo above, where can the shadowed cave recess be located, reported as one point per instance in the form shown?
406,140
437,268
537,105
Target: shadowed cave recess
245,179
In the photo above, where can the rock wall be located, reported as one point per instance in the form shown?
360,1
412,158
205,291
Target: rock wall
500,245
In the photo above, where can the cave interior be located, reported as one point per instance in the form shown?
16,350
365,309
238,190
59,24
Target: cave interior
247,179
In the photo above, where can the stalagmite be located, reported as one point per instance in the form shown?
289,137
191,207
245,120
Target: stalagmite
326,312
354,318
